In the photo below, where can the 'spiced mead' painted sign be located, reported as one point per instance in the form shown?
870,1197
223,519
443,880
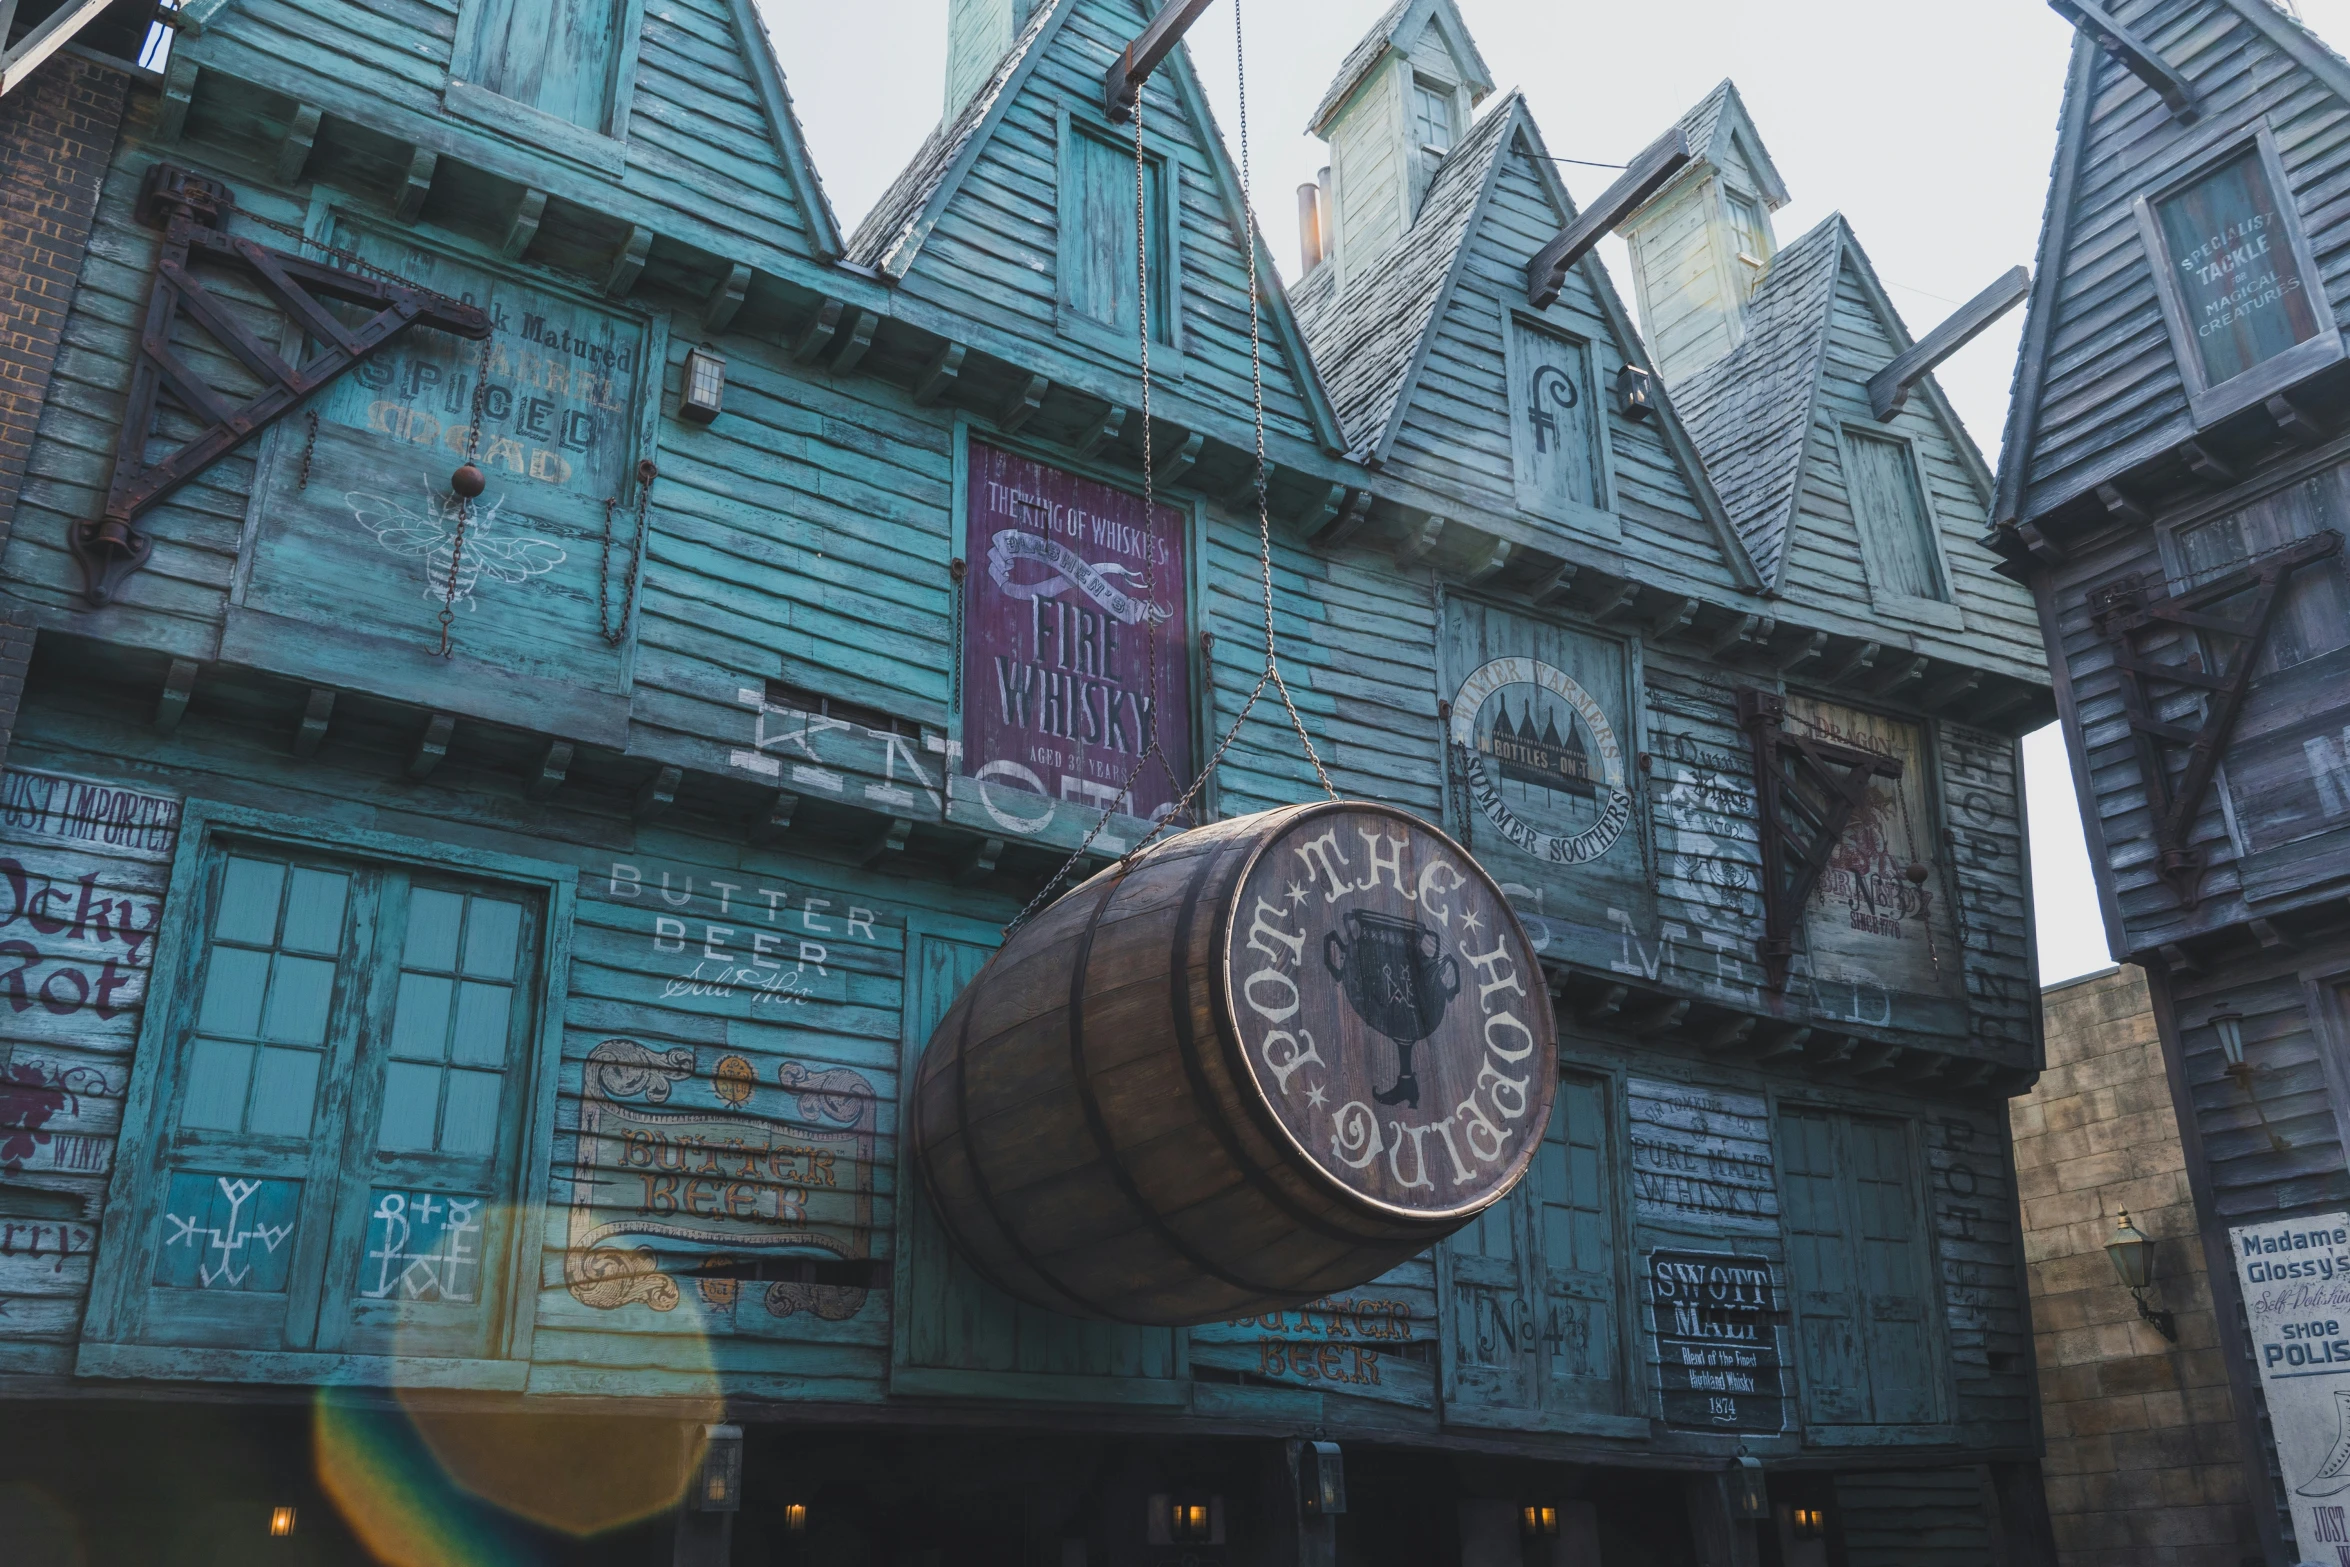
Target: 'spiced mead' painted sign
1716,1328
1076,639
2295,1275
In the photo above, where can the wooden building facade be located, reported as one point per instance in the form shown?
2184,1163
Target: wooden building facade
471,951
2172,491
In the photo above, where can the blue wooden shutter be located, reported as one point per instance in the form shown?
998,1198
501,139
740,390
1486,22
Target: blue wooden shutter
1857,1255
1823,1271
554,55
1576,1229
1889,1233
1890,504
1553,435
1097,242
1490,1332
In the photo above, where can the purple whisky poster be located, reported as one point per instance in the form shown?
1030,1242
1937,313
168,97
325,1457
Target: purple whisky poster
1071,590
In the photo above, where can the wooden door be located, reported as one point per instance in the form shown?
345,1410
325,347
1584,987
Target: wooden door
343,1104
1859,1264
955,1333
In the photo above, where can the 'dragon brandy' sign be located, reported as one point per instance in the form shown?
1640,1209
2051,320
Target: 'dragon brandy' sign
1391,1009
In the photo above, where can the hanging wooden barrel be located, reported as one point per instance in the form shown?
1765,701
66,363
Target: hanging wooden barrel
1263,1061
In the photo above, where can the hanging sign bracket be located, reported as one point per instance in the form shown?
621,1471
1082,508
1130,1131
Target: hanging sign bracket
1808,790
1122,87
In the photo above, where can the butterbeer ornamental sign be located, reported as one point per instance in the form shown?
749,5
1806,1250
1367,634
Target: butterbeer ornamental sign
1390,1009
1076,641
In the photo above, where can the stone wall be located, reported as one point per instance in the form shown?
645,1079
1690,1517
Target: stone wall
2142,1467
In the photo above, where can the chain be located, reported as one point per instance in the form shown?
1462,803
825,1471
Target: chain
481,392
957,570
309,445
614,633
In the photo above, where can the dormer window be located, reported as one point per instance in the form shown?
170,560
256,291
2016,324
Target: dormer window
2242,296
1752,237
1432,124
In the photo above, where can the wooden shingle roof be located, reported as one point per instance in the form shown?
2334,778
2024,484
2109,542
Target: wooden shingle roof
1398,29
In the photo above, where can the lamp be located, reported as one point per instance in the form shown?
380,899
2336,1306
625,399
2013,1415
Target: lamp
1635,393
1538,1523
718,1484
1191,1520
1749,1498
2132,1256
1321,1479
795,1517
2228,1023
1807,1523
281,1522
704,395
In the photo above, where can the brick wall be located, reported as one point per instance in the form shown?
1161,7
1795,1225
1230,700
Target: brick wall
2142,1464
57,135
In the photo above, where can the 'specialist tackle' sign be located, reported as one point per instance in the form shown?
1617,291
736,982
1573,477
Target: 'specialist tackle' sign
1076,650
1391,1010
2295,1275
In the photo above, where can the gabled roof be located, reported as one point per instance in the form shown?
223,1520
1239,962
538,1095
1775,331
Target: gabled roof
2077,414
1398,30
1367,342
1372,342
783,127
892,236
1717,123
1751,413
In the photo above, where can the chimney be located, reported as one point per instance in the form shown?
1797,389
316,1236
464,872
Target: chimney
1400,103
1702,245
979,34
1309,227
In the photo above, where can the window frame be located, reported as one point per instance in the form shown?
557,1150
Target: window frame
1167,355
120,1271
1940,612
606,150
2209,403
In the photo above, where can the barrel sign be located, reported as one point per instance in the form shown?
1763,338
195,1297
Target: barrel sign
1391,1010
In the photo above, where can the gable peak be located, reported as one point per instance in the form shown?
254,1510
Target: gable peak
1399,32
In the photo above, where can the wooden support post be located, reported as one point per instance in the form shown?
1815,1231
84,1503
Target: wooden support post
1556,588
1732,1037
1901,673
179,683
2208,465
858,340
818,334
2044,549
1023,405
1321,512
423,163
315,713
1737,634
554,766
1244,497
1622,599
1546,274
657,795
2271,938
301,136
726,299
1347,524
1177,464
1610,1003
1854,664
523,227
1419,543
2119,506
2136,55
1791,1043
1890,387
939,376
432,747
1805,651
2294,422
1951,689
1099,436
888,840
1491,564
1678,610
773,825
978,861
1122,86
1663,1020
629,264
179,90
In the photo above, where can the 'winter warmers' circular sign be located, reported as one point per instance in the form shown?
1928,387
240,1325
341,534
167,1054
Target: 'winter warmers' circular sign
1391,1009
1545,766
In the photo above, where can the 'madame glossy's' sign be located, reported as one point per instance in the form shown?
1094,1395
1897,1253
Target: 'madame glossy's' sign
2296,1279
1074,599
1391,1009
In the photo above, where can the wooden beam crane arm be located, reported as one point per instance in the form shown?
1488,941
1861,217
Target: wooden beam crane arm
1546,274
56,31
1122,86
2137,56
1890,387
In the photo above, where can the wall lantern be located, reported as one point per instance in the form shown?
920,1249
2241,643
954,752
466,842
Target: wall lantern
1807,1523
718,1484
1538,1523
1635,393
2132,1255
1181,1518
2228,1023
281,1522
704,396
1321,1479
1749,1497
795,1517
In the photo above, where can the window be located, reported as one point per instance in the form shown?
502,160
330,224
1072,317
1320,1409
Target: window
556,56
1896,522
2239,288
1858,1258
1432,116
1097,250
342,1109
1555,445
1751,237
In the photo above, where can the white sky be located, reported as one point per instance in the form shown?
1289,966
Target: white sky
1930,126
